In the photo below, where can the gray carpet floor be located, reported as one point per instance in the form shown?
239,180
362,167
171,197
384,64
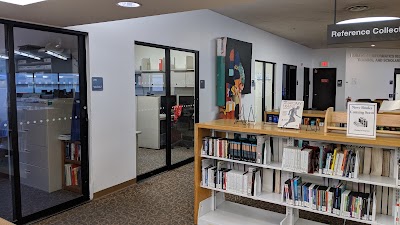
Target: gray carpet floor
165,199
151,159
33,200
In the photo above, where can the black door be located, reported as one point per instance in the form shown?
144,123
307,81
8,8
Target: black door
324,88
306,93
289,82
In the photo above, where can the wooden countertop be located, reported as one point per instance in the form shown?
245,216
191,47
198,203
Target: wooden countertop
5,222
273,130
306,113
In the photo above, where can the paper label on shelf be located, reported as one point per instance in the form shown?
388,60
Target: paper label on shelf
361,119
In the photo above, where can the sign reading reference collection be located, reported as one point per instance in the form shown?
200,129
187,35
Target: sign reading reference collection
361,119
364,32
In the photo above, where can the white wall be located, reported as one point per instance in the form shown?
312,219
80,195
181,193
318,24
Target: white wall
337,59
363,75
112,124
366,76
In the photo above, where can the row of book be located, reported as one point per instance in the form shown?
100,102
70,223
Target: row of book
305,120
222,177
256,150
336,200
321,159
73,151
72,175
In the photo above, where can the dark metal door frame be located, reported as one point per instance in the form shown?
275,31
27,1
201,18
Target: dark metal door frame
263,85
287,80
306,84
13,123
168,164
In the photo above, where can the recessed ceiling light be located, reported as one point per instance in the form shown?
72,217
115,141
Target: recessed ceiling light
22,2
368,19
372,45
129,4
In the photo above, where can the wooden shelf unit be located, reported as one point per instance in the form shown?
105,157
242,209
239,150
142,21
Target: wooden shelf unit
206,198
72,188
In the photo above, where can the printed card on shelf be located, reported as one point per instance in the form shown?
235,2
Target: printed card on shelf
291,113
361,119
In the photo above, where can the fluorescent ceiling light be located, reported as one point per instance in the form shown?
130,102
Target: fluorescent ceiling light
27,55
3,57
129,4
57,55
22,2
368,19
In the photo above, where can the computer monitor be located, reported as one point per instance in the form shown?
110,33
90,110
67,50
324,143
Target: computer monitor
186,100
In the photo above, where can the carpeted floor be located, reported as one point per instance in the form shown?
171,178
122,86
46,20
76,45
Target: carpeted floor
165,199
33,200
151,159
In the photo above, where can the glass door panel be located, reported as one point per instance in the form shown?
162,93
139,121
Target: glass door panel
6,156
151,106
183,81
48,109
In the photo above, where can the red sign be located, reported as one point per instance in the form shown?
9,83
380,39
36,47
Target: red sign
324,64
324,80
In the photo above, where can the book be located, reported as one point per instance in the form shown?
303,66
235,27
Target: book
291,113
367,160
268,181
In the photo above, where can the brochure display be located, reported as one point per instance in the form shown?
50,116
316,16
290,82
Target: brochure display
291,113
361,119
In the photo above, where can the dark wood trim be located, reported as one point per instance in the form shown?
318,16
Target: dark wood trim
113,189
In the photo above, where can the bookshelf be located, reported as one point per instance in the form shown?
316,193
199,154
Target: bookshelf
75,163
211,208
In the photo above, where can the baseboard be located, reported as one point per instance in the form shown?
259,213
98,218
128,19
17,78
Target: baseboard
114,189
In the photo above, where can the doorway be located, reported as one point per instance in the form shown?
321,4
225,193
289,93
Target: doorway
265,91
306,92
289,83
166,85
324,88
396,94
44,163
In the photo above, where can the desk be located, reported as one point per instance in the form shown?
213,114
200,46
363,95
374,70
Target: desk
306,113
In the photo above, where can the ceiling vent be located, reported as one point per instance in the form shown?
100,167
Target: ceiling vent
357,8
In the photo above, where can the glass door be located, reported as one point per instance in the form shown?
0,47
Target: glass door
48,118
6,155
153,117
183,83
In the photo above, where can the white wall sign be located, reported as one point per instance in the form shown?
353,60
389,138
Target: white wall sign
290,114
361,119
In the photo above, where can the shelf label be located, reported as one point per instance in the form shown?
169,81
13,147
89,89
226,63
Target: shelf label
361,119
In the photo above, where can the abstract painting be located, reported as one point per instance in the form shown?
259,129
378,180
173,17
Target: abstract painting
233,76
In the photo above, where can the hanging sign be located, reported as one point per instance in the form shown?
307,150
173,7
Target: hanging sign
364,32
361,119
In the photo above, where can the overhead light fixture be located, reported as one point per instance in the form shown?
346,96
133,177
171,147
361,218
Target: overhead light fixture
3,57
129,4
27,55
22,2
57,55
372,45
368,19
